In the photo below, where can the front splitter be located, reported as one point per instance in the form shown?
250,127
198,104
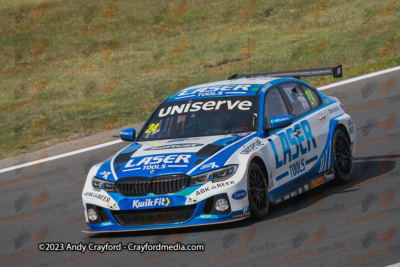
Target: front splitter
147,229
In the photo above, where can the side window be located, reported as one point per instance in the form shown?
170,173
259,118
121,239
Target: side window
274,105
297,99
312,96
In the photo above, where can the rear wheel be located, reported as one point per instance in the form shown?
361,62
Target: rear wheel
342,157
258,192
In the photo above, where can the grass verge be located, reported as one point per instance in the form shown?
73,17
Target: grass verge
70,69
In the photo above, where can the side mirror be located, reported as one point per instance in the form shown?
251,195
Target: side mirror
281,121
128,134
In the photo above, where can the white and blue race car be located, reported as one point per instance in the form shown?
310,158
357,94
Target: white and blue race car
221,152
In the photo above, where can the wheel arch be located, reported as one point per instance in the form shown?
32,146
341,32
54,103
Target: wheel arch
344,129
261,163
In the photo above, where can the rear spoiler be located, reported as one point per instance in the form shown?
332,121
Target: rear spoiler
335,71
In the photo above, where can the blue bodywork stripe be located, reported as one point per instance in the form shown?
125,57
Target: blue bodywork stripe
311,160
323,163
283,175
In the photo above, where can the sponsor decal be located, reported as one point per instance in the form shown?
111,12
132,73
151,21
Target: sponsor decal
239,194
184,139
151,202
211,105
105,174
252,147
270,183
304,103
214,186
333,110
300,190
288,139
280,119
350,122
297,168
158,162
153,167
241,215
317,182
205,216
173,146
191,200
264,89
98,196
202,191
113,207
211,165
217,90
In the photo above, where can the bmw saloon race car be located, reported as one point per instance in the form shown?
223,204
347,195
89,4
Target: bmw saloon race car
221,152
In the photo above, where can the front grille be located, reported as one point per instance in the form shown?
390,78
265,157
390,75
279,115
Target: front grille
141,186
153,216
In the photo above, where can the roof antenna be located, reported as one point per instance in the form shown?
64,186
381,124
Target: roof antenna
248,46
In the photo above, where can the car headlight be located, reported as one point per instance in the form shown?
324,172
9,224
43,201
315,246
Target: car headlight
102,184
215,175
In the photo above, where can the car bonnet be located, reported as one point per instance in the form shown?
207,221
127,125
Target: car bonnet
186,155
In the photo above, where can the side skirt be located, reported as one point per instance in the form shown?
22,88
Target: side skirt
317,180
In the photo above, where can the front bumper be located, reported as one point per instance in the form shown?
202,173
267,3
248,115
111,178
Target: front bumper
163,220
190,207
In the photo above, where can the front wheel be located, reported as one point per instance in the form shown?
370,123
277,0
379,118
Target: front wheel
258,192
342,157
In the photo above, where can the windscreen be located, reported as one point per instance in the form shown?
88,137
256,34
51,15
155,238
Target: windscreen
202,117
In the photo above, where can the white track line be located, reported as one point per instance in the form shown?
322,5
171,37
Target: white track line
60,156
366,76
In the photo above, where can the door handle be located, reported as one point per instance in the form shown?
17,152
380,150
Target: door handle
322,116
297,131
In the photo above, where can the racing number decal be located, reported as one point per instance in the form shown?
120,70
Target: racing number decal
310,97
152,128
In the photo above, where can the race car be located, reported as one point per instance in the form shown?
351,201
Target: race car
222,152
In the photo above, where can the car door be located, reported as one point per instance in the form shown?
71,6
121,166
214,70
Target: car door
288,161
311,122
289,143
318,119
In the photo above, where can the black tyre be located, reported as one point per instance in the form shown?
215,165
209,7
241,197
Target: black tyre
342,157
258,192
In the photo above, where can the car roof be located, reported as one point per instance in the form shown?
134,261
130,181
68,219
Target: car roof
235,87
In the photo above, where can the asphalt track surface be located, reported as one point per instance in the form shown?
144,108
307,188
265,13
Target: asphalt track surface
356,224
